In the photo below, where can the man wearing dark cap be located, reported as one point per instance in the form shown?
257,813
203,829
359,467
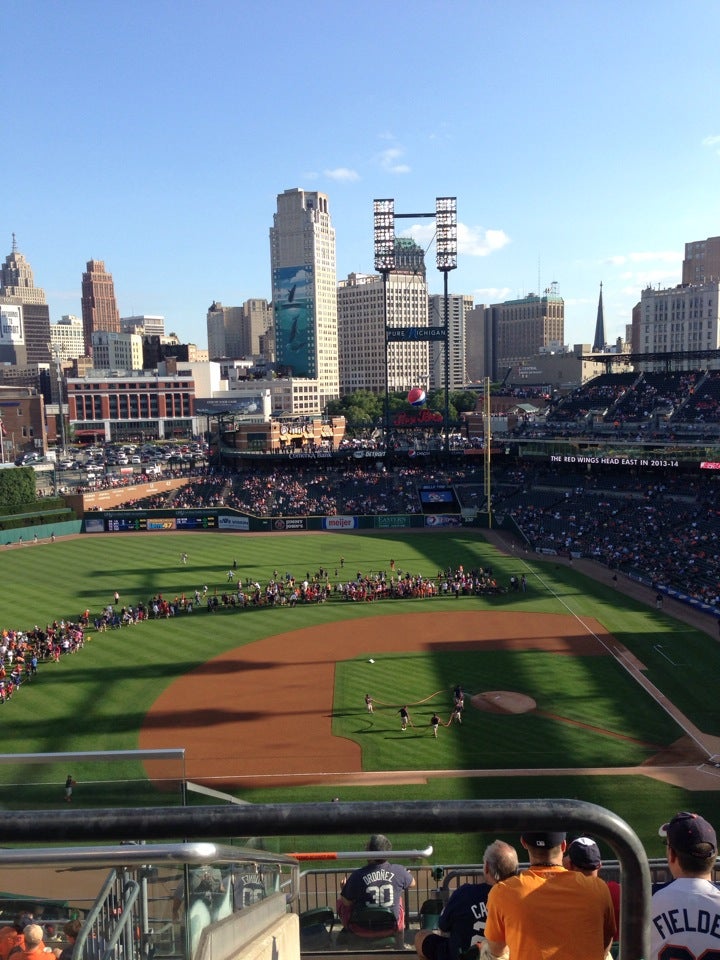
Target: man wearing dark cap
379,884
583,854
547,911
685,914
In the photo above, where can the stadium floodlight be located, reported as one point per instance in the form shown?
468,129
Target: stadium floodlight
446,233
384,234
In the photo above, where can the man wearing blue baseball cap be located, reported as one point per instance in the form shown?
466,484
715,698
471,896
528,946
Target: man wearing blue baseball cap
548,911
686,912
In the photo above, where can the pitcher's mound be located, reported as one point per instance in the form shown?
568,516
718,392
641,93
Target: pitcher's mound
503,701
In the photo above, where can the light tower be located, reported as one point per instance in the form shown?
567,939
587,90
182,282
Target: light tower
445,216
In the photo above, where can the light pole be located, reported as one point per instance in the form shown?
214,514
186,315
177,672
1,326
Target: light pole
446,260
384,236
58,371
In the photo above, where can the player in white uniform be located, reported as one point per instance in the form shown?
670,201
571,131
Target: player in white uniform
685,914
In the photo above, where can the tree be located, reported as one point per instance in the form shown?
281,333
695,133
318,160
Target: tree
17,486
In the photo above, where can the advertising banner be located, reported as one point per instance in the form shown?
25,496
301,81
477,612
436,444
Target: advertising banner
294,313
443,520
11,324
339,523
392,521
168,523
290,523
234,523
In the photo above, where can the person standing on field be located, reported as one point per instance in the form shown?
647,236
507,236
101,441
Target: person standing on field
69,784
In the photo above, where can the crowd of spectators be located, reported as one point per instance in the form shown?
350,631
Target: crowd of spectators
637,401
274,491
21,651
665,532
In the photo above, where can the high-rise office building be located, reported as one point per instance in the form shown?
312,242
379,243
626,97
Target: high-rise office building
67,338
235,332
144,324
520,328
117,351
99,307
702,261
361,333
683,319
304,285
459,306
25,315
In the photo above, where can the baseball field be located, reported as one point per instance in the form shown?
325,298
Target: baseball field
573,688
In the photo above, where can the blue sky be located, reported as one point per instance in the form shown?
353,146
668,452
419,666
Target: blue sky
582,142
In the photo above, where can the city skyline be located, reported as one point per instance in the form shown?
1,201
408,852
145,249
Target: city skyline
576,155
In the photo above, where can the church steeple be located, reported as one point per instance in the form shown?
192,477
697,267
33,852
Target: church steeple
599,341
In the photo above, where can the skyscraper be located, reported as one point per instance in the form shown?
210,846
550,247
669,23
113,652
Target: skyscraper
702,261
302,257
361,319
459,306
236,331
99,307
25,325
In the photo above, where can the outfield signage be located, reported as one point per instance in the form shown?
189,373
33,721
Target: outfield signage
234,523
392,521
442,520
339,523
290,523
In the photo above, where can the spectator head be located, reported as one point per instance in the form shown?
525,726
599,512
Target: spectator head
21,921
72,929
378,843
500,861
691,844
583,855
33,934
544,846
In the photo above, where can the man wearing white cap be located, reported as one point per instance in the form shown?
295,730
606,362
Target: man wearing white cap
685,914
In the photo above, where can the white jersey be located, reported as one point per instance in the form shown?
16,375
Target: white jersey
685,921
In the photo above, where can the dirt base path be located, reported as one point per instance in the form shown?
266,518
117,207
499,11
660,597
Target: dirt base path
268,722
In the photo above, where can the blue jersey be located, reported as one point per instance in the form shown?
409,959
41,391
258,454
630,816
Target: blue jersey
378,885
464,916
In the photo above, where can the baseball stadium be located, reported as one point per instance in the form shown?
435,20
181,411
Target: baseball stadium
249,667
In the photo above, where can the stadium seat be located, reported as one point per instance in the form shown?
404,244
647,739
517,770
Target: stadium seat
429,913
316,928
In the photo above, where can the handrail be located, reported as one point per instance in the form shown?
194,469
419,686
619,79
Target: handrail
322,819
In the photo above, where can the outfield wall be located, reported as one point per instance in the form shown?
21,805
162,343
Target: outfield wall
226,520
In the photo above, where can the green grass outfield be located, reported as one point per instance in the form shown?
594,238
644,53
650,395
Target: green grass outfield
99,698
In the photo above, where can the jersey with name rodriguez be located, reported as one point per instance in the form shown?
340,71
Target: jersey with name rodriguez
685,917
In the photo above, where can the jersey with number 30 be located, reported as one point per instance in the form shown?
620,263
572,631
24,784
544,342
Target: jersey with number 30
685,921
378,885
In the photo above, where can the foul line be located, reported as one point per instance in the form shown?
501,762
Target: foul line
679,718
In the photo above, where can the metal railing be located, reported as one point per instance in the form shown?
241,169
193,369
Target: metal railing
325,819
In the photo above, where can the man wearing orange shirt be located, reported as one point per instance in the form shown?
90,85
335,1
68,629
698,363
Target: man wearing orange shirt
34,948
548,912
12,936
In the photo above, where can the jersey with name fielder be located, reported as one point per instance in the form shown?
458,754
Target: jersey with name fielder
378,885
685,920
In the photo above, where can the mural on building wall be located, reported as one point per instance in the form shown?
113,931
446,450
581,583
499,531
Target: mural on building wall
293,303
